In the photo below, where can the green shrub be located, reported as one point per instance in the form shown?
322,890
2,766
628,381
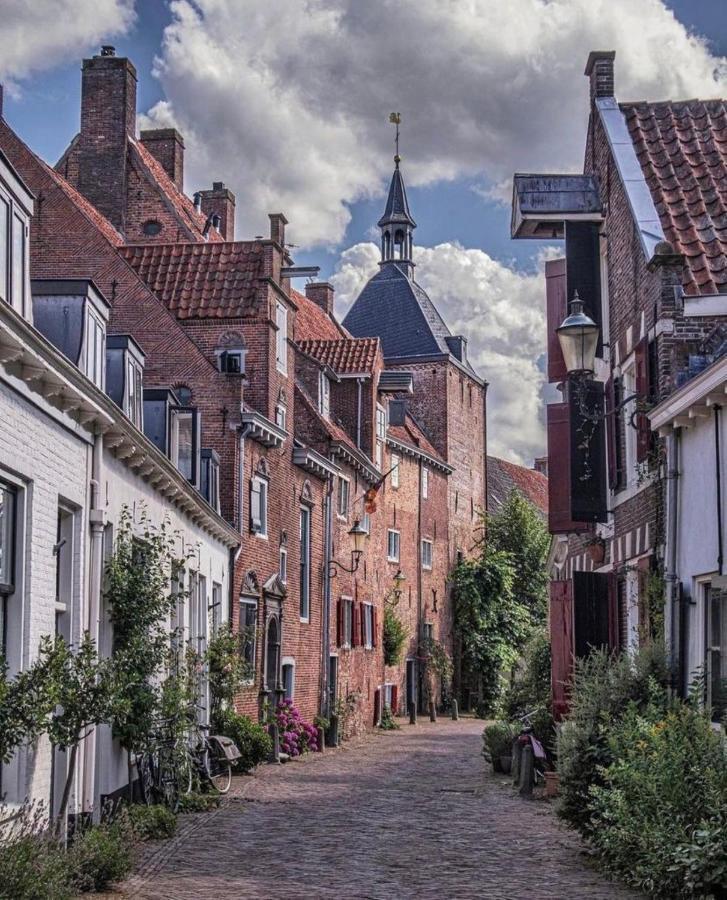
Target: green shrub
394,636
100,856
388,722
252,740
195,803
498,739
152,823
659,819
34,867
603,688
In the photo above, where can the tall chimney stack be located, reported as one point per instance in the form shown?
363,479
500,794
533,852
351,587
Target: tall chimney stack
166,145
322,294
599,69
220,200
108,120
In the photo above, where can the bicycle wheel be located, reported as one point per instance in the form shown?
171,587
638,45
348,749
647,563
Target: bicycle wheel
218,770
145,771
185,774
168,783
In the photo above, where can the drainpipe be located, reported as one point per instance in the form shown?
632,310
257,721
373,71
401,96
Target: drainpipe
97,521
326,617
359,406
671,565
244,431
718,474
420,605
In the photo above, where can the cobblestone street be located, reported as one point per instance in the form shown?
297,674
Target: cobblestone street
413,813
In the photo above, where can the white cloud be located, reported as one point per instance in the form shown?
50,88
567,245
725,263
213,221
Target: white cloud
38,34
502,314
287,100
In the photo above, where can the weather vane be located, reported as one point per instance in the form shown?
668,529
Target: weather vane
395,119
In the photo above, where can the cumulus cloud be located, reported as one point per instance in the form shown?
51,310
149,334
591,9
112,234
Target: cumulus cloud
501,312
39,34
287,100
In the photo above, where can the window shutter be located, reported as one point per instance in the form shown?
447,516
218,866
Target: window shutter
339,622
377,706
394,699
641,366
561,642
362,616
556,311
583,267
590,612
374,627
354,625
588,457
559,471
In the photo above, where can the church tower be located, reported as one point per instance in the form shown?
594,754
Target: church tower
396,224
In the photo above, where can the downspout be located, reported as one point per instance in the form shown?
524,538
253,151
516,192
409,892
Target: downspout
718,473
420,608
359,406
235,553
326,617
672,627
97,521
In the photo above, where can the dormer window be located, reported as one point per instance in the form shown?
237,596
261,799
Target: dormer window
16,206
125,376
232,362
184,442
134,401
380,422
324,395
210,483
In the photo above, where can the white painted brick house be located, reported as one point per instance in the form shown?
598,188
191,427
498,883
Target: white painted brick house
71,460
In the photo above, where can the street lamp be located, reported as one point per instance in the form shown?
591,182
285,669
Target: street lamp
396,591
358,535
578,339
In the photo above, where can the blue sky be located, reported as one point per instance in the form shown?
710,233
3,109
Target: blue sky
45,113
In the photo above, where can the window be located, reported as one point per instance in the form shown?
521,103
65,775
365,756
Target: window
716,651
283,566
134,393
151,227
248,634
4,255
288,678
185,441
394,470
304,563
281,339
216,607
380,422
63,552
428,631
366,523
345,623
628,387
18,277
426,554
324,395
425,482
342,500
95,349
199,636
280,416
7,554
392,552
210,481
259,506
367,615
378,455
232,362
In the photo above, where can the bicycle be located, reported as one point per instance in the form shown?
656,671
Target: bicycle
209,757
528,767
158,767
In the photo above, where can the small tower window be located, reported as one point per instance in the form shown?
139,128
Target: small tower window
152,227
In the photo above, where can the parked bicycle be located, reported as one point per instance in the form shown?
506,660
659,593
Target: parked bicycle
528,767
209,758
158,766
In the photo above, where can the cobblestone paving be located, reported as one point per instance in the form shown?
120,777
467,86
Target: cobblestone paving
407,814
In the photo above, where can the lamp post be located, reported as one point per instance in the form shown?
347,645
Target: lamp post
396,591
578,339
358,535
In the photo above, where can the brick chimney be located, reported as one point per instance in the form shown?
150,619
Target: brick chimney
220,200
166,145
108,119
321,293
599,69
277,228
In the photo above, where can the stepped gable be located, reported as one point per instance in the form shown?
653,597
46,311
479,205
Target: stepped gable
346,356
202,281
682,150
503,477
311,322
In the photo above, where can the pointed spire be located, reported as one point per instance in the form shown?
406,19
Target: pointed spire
397,206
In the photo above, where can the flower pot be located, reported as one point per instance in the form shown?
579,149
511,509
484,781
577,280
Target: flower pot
552,781
505,764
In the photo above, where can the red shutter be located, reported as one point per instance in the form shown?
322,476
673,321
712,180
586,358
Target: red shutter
339,622
641,366
561,644
394,699
556,310
377,706
362,617
559,471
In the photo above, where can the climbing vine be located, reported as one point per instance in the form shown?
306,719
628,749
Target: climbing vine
395,635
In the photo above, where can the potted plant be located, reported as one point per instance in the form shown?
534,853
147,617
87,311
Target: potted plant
498,739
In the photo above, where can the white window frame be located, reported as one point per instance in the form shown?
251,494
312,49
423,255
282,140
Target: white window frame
5,251
395,461
305,563
430,544
95,341
628,387
396,535
281,416
379,455
365,522
259,525
289,662
368,626
215,608
281,338
283,565
425,483
342,497
134,400
347,614
324,395
250,602
380,422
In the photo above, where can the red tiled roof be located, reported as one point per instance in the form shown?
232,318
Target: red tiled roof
311,322
345,355
200,281
682,149
503,477
180,202
410,433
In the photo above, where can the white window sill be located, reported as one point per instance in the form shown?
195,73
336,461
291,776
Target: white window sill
259,536
427,568
305,621
392,559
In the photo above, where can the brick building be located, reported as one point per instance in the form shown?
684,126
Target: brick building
644,248
286,417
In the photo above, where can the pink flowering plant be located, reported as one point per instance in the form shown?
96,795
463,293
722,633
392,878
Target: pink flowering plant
296,735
